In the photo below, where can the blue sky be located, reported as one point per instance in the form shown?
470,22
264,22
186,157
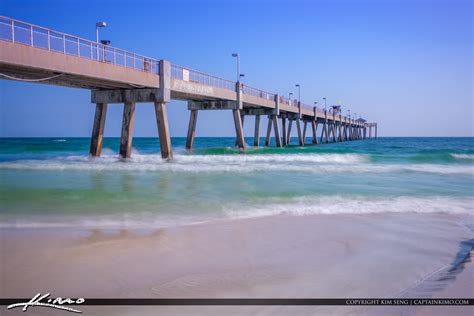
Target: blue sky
407,65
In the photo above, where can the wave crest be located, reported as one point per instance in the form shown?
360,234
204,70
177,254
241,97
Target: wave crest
300,206
356,205
463,156
308,163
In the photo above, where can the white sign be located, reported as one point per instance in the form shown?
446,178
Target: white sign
185,75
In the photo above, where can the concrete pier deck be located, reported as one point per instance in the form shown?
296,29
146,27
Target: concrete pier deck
36,54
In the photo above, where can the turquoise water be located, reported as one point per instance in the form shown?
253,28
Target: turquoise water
52,181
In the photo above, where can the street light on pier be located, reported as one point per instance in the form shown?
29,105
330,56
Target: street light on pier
325,106
97,26
299,92
236,55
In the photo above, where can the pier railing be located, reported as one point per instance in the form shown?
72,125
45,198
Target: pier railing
19,32
187,74
306,106
36,36
258,93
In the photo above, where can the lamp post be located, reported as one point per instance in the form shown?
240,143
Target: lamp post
325,108
299,92
236,55
97,26
289,98
315,104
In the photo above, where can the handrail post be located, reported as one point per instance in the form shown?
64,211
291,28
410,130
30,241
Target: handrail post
49,40
78,49
31,35
13,31
64,44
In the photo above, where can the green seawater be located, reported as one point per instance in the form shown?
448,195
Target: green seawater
52,181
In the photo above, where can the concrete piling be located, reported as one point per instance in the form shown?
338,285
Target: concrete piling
126,136
98,130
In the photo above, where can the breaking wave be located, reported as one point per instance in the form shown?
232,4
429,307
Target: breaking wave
463,156
356,205
300,206
309,163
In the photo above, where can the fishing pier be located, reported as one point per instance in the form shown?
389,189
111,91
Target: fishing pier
36,54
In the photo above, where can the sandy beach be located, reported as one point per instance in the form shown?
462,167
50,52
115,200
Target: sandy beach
321,256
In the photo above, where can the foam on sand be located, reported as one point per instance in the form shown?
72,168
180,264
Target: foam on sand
267,207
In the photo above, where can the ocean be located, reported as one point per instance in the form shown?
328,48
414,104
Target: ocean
51,182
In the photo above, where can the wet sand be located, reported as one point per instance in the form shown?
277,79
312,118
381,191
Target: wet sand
319,256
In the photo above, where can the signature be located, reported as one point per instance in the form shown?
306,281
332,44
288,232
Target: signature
45,301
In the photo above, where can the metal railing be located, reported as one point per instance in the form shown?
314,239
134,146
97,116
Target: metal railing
39,37
258,93
187,74
36,36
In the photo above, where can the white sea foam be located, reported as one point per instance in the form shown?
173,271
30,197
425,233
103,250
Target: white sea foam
463,156
355,205
308,163
300,206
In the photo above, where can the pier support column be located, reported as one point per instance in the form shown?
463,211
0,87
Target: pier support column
340,129
305,125
98,129
288,135
269,131
326,126
283,131
276,129
163,130
191,129
127,130
256,135
239,129
375,130
298,129
329,132
314,126
322,133
242,119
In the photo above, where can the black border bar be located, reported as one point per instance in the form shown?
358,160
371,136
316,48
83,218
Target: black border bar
261,301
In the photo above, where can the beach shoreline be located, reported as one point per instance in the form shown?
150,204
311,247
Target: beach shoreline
321,256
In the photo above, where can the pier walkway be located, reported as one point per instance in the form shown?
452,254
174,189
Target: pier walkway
36,54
